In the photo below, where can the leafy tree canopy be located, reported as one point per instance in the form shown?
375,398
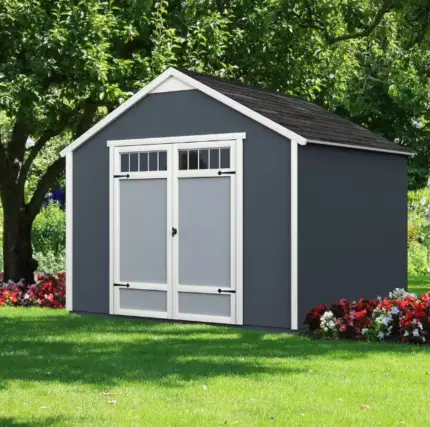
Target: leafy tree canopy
66,63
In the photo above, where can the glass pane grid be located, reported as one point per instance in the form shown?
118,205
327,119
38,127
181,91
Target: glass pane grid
214,158
144,161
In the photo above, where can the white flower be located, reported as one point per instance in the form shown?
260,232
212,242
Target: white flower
423,338
416,333
395,310
364,331
331,76
406,334
381,335
331,324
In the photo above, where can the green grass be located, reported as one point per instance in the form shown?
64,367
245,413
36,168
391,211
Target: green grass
419,284
55,366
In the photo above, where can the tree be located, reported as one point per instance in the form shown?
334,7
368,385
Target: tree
66,63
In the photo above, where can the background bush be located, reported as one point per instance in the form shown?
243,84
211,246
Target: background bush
49,238
419,231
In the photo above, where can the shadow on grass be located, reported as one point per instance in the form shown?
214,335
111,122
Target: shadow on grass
12,422
105,351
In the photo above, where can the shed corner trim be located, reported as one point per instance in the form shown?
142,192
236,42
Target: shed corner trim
294,205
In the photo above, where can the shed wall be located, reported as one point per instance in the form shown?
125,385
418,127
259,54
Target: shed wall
266,201
352,225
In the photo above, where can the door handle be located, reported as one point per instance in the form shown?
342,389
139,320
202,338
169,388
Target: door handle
174,231
227,291
120,284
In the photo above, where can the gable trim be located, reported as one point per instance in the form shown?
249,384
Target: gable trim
194,84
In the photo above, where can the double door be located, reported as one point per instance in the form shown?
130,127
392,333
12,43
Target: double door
174,228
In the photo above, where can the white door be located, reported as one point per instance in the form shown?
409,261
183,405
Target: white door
204,250
142,244
176,231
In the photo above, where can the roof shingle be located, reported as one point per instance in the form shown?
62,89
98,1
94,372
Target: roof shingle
302,117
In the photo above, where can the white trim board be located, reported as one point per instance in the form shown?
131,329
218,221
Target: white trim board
69,231
194,84
294,206
177,139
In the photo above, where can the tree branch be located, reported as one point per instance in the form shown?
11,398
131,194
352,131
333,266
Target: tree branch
45,184
17,141
36,149
386,7
311,22
87,118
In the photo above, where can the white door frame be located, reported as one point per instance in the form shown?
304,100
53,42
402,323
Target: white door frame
236,142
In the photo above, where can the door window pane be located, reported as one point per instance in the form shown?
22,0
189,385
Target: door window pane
183,160
193,159
153,161
225,158
134,162
162,160
203,159
124,162
143,159
214,159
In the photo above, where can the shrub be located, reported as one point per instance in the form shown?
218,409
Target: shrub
49,262
401,316
419,231
48,291
49,230
418,259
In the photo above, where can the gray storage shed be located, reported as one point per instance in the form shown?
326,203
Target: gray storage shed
203,200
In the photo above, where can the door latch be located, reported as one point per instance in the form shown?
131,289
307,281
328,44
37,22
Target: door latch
174,231
227,291
127,285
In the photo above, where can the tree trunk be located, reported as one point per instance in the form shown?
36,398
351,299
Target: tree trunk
17,250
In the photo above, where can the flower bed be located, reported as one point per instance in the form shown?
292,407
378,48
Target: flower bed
48,291
401,316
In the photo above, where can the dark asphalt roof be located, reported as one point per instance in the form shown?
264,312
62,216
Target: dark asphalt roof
302,117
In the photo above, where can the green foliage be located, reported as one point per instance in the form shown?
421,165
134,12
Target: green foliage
418,259
49,230
419,231
51,262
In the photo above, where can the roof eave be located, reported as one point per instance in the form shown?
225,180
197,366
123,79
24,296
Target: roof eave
361,147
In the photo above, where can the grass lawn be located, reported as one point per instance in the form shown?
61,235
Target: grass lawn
54,368
419,284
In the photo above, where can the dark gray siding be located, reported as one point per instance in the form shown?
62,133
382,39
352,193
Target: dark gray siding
266,201
352,224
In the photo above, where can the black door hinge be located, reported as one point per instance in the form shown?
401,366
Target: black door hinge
127,285
226,173
122,176
229,292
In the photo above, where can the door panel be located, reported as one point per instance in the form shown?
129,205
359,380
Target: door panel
205,304
142,239
144,300
143,231
204,250
204,237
